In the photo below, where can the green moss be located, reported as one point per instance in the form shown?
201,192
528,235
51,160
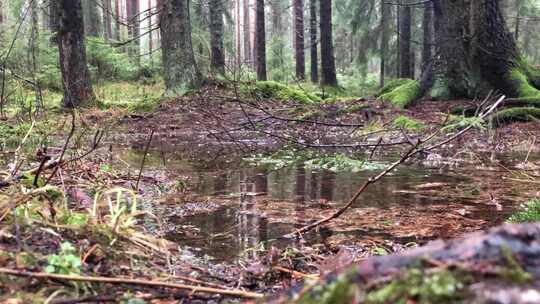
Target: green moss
353,109
403,95
515,114
407,123
276,90
440,287
340,290
521,84
393,84
529,214
440,90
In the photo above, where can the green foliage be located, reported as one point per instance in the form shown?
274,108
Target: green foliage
73,218
407,123
521,83
439,287
67,261
311,160
516,114
392,85
529,214
278,91
459,122
402,95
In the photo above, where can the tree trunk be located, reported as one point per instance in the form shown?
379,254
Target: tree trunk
313,41
405,34
248,60
217,60
237,40
298,8
260,39
427,26
92,20
328,65
118,28
75,74
180,69
54,17
107,20
134,30
385,16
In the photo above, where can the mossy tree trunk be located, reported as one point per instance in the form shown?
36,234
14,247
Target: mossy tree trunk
180,69
477,53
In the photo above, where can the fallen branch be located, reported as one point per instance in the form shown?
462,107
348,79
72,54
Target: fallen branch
109,280
416,147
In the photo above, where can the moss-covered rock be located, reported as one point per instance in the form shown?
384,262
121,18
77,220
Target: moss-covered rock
402,95
276,90
390,86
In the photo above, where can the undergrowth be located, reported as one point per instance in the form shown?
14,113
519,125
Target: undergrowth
529,214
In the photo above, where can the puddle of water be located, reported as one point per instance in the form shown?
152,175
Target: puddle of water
258,205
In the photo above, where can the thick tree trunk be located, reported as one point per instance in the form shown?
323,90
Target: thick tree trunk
180,69
328,65
75,74
405,34
314,66
260,39
298,13
117,14
217,56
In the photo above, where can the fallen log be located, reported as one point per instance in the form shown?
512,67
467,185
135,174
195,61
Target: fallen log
498,266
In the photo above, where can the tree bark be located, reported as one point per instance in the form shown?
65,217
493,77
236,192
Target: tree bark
248,58
237,40
107,20
71,41
92,20
385,17
217,60
180,69
298,13
405,33
427,26
314,65
134,30
328,65
260,39
118,16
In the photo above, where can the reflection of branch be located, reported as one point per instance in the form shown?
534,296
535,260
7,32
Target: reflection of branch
416,147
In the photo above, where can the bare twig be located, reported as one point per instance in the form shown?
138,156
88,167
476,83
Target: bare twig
140,282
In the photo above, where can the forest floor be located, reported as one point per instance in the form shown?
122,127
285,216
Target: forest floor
199,191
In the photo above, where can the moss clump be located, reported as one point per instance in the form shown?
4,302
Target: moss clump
521,84
340,290
515,114
407,123
439,287
392,85
403,95
530,213
276,90
353,109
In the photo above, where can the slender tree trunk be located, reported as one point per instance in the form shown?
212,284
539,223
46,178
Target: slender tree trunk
134,30
248,60
92,20
313,41
34,52
260,39
118,20
75,74
180,69
328,65
385,16
1,13
107,20
298,8
238,41
427,50
55,14
150,28
217,59
405,33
